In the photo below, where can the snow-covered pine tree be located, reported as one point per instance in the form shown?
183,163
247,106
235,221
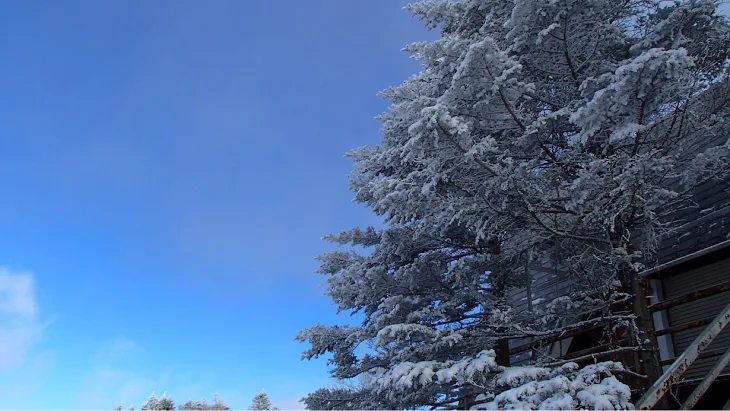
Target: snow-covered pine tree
167,403
217,404
569,130
162,403
348,395
261,401
342,398
195,405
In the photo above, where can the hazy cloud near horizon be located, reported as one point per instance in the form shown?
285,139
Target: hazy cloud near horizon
19,324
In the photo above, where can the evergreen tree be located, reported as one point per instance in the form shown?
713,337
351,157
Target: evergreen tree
166,403
162,403
564,133
217,404
261,401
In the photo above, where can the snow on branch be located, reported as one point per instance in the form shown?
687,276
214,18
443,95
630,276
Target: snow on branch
567,387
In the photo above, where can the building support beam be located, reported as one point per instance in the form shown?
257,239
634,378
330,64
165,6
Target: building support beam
683,362
706,382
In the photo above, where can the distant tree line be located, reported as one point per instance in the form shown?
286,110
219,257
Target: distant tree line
260,401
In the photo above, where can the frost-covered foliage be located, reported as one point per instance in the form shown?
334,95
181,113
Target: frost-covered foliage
217,404
261,401
166,403
565,130
567,387
162,403
348,398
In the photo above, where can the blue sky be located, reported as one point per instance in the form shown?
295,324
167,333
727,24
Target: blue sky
167,170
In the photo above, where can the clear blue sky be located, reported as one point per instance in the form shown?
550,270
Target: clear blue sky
167,171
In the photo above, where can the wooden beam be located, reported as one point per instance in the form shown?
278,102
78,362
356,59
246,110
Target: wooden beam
656,272
689,297
707,353
648,358
684,326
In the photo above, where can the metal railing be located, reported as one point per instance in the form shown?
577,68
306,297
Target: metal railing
683,362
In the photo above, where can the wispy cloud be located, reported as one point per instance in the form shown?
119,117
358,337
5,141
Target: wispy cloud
112,378
123,372
20,388
20,327
22,368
